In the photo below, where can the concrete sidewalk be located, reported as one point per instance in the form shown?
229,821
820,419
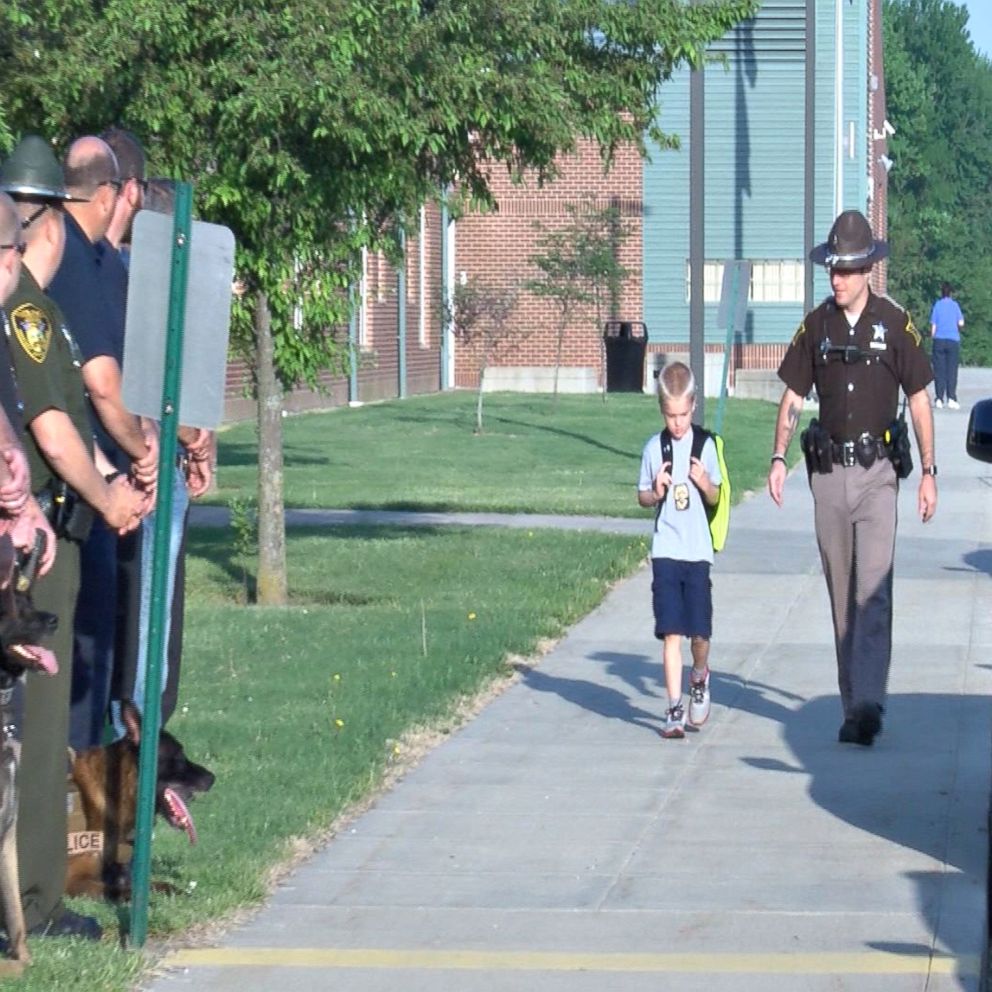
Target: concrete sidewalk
558,843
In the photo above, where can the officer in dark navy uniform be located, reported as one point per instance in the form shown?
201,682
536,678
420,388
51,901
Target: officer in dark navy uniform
858,350
76,488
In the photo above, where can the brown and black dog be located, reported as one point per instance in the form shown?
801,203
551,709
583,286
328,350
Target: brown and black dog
22,628
106,779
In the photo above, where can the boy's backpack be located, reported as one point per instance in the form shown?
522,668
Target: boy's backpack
719,515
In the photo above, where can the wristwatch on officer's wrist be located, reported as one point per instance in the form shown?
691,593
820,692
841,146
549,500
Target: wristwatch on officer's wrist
930,470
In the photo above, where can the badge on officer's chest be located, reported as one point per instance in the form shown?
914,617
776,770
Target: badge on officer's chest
681,496
32,330
878,333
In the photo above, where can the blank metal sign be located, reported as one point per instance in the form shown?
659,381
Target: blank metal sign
208,318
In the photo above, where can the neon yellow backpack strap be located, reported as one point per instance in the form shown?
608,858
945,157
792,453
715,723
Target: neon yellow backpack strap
719,515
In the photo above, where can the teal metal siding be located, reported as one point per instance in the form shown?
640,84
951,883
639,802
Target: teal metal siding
755,160
666,222
824,156
855,185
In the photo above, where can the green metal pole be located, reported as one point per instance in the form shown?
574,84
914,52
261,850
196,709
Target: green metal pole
401,316
445,293
353,305
151,717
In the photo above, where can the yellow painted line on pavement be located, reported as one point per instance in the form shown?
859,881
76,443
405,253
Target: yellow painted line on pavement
868,963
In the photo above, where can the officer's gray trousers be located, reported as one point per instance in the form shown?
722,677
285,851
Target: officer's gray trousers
41,822
856,531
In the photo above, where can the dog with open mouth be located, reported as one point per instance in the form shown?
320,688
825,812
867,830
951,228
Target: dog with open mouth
22,628
106,780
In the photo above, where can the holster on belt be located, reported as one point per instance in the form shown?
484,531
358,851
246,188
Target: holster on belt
70,516
899,450
817,448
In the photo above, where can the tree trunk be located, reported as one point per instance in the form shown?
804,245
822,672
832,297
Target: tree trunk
272,585
559,348
602,341
478,402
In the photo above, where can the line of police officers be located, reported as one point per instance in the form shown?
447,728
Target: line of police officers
72,483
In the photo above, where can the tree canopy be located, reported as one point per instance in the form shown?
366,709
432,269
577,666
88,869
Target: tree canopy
312,126
939,96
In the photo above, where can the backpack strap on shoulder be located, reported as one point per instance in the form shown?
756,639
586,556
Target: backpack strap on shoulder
700,435
665,442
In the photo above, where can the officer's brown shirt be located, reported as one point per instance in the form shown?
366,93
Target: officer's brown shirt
858,392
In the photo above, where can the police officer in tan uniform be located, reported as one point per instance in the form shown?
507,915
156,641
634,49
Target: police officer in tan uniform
858,350
59,443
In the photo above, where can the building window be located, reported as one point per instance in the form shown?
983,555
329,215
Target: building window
777,282
772,281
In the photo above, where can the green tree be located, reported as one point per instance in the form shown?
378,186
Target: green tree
480,318
939,96
312,127
580,271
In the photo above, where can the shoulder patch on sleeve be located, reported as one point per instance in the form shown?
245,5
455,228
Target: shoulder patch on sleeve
33,330
912,331
909,327
800,331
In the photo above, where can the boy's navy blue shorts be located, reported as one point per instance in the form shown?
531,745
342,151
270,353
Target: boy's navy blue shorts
683,598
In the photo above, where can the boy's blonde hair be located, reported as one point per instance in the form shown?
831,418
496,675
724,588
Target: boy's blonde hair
675,381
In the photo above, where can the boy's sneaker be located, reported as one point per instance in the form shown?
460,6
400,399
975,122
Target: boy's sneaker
699,699
674,722
939,404
953,405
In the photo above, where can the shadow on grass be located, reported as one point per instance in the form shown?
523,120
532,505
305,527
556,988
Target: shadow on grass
216,545
244,454
493,418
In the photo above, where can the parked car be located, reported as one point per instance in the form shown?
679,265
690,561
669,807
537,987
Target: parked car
979,440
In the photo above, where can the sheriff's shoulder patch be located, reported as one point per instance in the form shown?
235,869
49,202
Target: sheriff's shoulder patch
33,330
800,331
913,332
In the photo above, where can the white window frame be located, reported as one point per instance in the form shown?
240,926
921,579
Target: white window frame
773,280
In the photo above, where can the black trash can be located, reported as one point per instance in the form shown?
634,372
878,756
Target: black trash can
626,343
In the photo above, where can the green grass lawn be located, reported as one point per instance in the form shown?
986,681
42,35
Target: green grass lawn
581,457
300,712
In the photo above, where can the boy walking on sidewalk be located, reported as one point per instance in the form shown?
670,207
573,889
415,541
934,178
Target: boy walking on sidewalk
676,484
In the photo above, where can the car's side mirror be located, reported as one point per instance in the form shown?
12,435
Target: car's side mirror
979,440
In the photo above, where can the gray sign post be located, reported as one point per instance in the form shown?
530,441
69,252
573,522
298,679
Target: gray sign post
732,315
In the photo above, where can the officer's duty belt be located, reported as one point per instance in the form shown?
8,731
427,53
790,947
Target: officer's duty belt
870,448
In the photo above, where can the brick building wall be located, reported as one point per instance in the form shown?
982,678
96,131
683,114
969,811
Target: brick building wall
495,249
377,375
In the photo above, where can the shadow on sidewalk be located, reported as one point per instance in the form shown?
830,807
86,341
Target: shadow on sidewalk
602,700
896,790
904,789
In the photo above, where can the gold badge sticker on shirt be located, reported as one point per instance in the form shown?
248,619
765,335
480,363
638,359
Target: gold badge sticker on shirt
681,495
33,330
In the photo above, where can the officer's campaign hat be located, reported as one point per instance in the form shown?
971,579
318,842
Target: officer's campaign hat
850,244
32,171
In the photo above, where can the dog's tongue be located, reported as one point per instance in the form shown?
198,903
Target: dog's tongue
36,657
182,819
